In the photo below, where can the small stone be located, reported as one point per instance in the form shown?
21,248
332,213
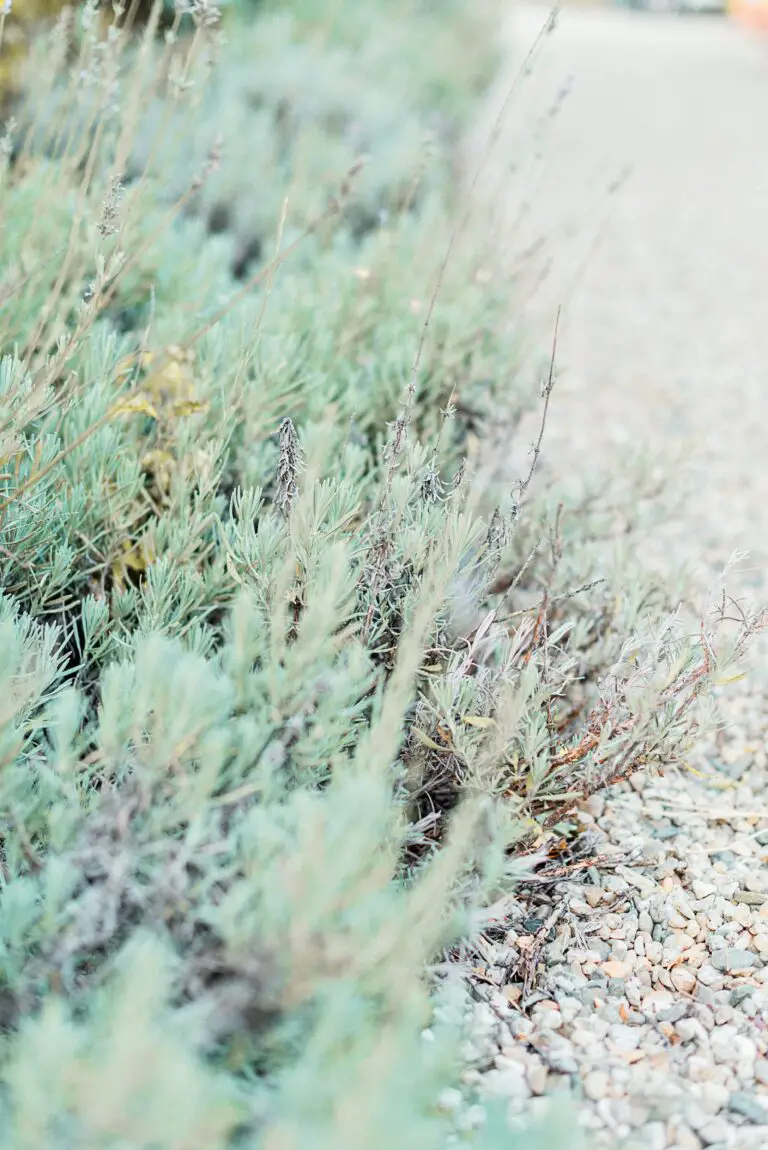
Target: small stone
690,1030
748,1107
646,886
677,942
569,1008
723,1045
450,1099
703,889
730,959
683,979
556,951
596,1085
644,922
739,766
594,896
657,1000
683,906
630,927
536,1074
761,1071
749,897
714,1131
664,978
685,1139
739,994
715,1097
653,1137
596,805
700,1068
703,1014
550,1019
709,975
667,1099
743,915
674,1012
559,1054
745,1054
723,1014
632,992
508,1083
615,969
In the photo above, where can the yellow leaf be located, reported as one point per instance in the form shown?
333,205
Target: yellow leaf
135,557
133,405
174,379
732,679
155,460
184,407
482,721
170,380
723,784
425,739
125,366
161,465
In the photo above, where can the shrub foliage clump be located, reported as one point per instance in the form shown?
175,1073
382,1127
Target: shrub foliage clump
286,698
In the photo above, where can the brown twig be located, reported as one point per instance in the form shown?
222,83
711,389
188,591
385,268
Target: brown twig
547,389
529,962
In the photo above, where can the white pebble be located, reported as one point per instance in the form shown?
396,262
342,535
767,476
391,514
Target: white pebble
596,1085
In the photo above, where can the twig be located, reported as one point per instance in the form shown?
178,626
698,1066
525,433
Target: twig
547,394
605,861
462,221
530,961
556,599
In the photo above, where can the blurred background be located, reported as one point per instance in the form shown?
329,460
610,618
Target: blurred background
631,185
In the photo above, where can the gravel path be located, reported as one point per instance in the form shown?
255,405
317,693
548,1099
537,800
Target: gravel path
664,282
651,1002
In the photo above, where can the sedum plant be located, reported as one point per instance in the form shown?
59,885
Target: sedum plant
287,696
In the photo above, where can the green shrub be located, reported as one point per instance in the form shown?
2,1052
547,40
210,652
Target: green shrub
284,696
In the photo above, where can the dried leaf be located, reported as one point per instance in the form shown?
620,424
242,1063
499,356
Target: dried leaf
133,405
134,557
184,407
481,975
161,466
482,721
425,739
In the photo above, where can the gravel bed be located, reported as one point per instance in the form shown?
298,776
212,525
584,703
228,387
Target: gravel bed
648,1002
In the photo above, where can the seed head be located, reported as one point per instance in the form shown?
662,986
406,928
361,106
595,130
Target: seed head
288,466
109,207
